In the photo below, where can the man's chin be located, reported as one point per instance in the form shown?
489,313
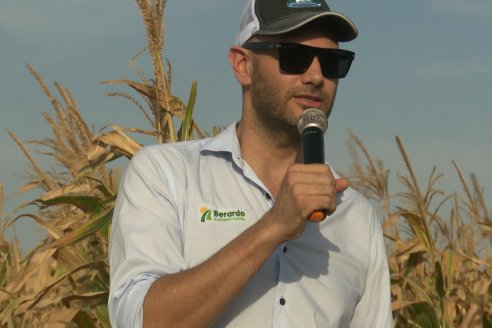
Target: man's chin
286,131
292,134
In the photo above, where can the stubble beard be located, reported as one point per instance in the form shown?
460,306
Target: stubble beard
273,119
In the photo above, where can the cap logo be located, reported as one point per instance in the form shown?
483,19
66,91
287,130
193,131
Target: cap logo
303,3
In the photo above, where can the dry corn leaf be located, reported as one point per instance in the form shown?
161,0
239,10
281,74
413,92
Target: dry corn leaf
450,309
391,221
112,145
66,191
7,312
99,220
52,230
39,258
86,298
398,305
412,246
61,317
176,106
475,259
41,306
39,297
486,227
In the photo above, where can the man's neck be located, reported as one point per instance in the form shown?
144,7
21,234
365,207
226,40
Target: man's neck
267,155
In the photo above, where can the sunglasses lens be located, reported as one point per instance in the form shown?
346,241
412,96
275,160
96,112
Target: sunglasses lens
295,59
335,64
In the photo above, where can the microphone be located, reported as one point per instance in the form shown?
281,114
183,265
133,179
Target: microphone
312,125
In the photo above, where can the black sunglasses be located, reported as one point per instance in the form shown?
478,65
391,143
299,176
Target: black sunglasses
295,58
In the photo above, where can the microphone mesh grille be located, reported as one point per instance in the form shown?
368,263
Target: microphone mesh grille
312,117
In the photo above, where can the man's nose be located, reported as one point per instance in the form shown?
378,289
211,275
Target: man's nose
313,74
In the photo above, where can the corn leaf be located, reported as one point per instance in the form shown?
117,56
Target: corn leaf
149,92
420,229
486,322
88,298
187,124
439,280
424,315
82,319
88,204
96,265
412,262
87,229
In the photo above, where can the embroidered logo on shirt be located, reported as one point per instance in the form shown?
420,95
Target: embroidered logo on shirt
209,215
303,3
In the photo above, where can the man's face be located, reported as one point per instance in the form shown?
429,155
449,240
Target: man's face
279,98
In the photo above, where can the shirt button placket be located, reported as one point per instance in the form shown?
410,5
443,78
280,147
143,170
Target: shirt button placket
281,307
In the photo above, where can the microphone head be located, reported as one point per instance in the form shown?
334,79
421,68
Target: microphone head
312,117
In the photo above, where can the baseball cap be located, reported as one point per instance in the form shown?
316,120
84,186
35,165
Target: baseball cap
272,17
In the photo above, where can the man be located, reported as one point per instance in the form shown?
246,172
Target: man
215,232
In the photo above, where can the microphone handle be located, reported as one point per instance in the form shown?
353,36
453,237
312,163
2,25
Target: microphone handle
313,145
313,152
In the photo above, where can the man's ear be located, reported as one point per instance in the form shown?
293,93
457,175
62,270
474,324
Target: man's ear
241,65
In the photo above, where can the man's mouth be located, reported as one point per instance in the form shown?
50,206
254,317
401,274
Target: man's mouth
309,101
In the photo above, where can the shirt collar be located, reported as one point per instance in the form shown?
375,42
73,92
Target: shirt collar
225,142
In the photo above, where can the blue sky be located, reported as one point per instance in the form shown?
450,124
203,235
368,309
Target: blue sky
423,71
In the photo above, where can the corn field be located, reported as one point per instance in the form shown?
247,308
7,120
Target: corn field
439,244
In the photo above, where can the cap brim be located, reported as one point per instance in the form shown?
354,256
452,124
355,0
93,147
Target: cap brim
335,22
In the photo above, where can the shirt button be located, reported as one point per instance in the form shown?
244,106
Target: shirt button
282,301
284,249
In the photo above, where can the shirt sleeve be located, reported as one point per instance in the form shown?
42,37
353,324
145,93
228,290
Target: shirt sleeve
374,307
146,236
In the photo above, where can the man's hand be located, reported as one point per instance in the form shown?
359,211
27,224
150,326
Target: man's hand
305,188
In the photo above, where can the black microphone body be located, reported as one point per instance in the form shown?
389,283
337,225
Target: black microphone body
312,125
313,145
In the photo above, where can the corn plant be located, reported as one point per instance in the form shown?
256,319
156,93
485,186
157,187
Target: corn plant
438,245
64,281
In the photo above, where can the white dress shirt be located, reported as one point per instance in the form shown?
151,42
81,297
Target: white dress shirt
180,203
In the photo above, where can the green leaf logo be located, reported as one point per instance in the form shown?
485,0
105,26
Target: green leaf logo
205,214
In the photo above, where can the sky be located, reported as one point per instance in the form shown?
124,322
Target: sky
423,72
